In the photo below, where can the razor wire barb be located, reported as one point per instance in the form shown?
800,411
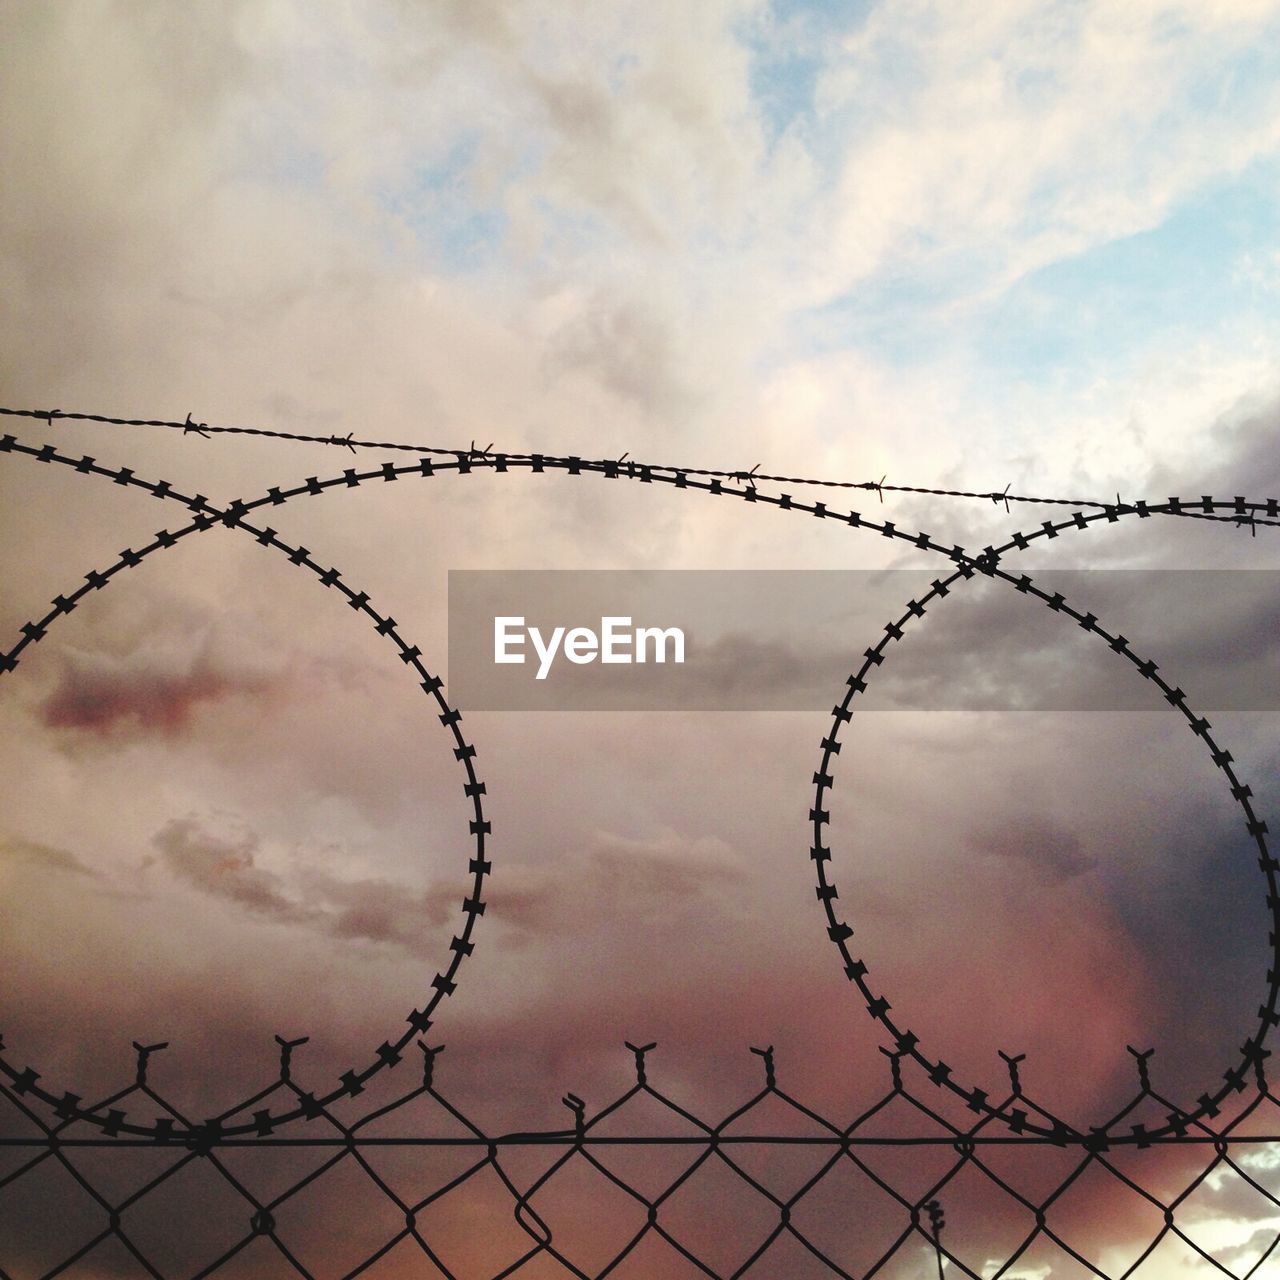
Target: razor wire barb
1020,1121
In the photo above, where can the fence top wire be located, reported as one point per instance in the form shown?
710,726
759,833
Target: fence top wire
748,477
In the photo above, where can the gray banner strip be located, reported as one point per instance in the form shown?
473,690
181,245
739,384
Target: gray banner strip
786,640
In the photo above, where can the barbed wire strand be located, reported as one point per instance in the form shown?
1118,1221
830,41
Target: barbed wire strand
750,477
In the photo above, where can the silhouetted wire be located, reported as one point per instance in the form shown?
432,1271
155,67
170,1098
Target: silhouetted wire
204,429
922,1215
903,1219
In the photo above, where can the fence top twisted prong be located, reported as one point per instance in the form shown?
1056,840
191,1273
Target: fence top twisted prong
286,1052
895,1065
640,1050
579,1109
1144,1071
1011,1061
767,1054
429,1053
144,1053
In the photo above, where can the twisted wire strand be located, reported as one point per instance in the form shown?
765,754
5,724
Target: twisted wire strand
751,477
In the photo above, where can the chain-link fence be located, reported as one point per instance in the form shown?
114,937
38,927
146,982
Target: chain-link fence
642,1186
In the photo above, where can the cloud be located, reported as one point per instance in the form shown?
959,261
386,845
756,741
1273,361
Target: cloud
575,224
1056,851
619,882
43,856
143,693
615,881
996,139
225,868
630,347
383,911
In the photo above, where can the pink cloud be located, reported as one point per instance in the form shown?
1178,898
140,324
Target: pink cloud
108,696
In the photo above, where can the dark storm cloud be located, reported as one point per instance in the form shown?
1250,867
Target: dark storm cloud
1215,634
95,695
1194,911
380,910
1245,457
1239,456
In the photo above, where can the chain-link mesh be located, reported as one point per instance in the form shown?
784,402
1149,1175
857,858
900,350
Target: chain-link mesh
642,1186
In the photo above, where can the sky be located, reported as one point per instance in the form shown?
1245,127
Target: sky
954,245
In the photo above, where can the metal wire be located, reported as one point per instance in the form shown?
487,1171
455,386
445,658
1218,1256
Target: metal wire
633,468
941,1219
284,1115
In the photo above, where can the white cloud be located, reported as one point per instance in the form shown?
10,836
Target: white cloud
1016,135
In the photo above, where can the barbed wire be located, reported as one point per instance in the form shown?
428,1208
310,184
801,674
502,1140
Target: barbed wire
986,562
270,1118
190,427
